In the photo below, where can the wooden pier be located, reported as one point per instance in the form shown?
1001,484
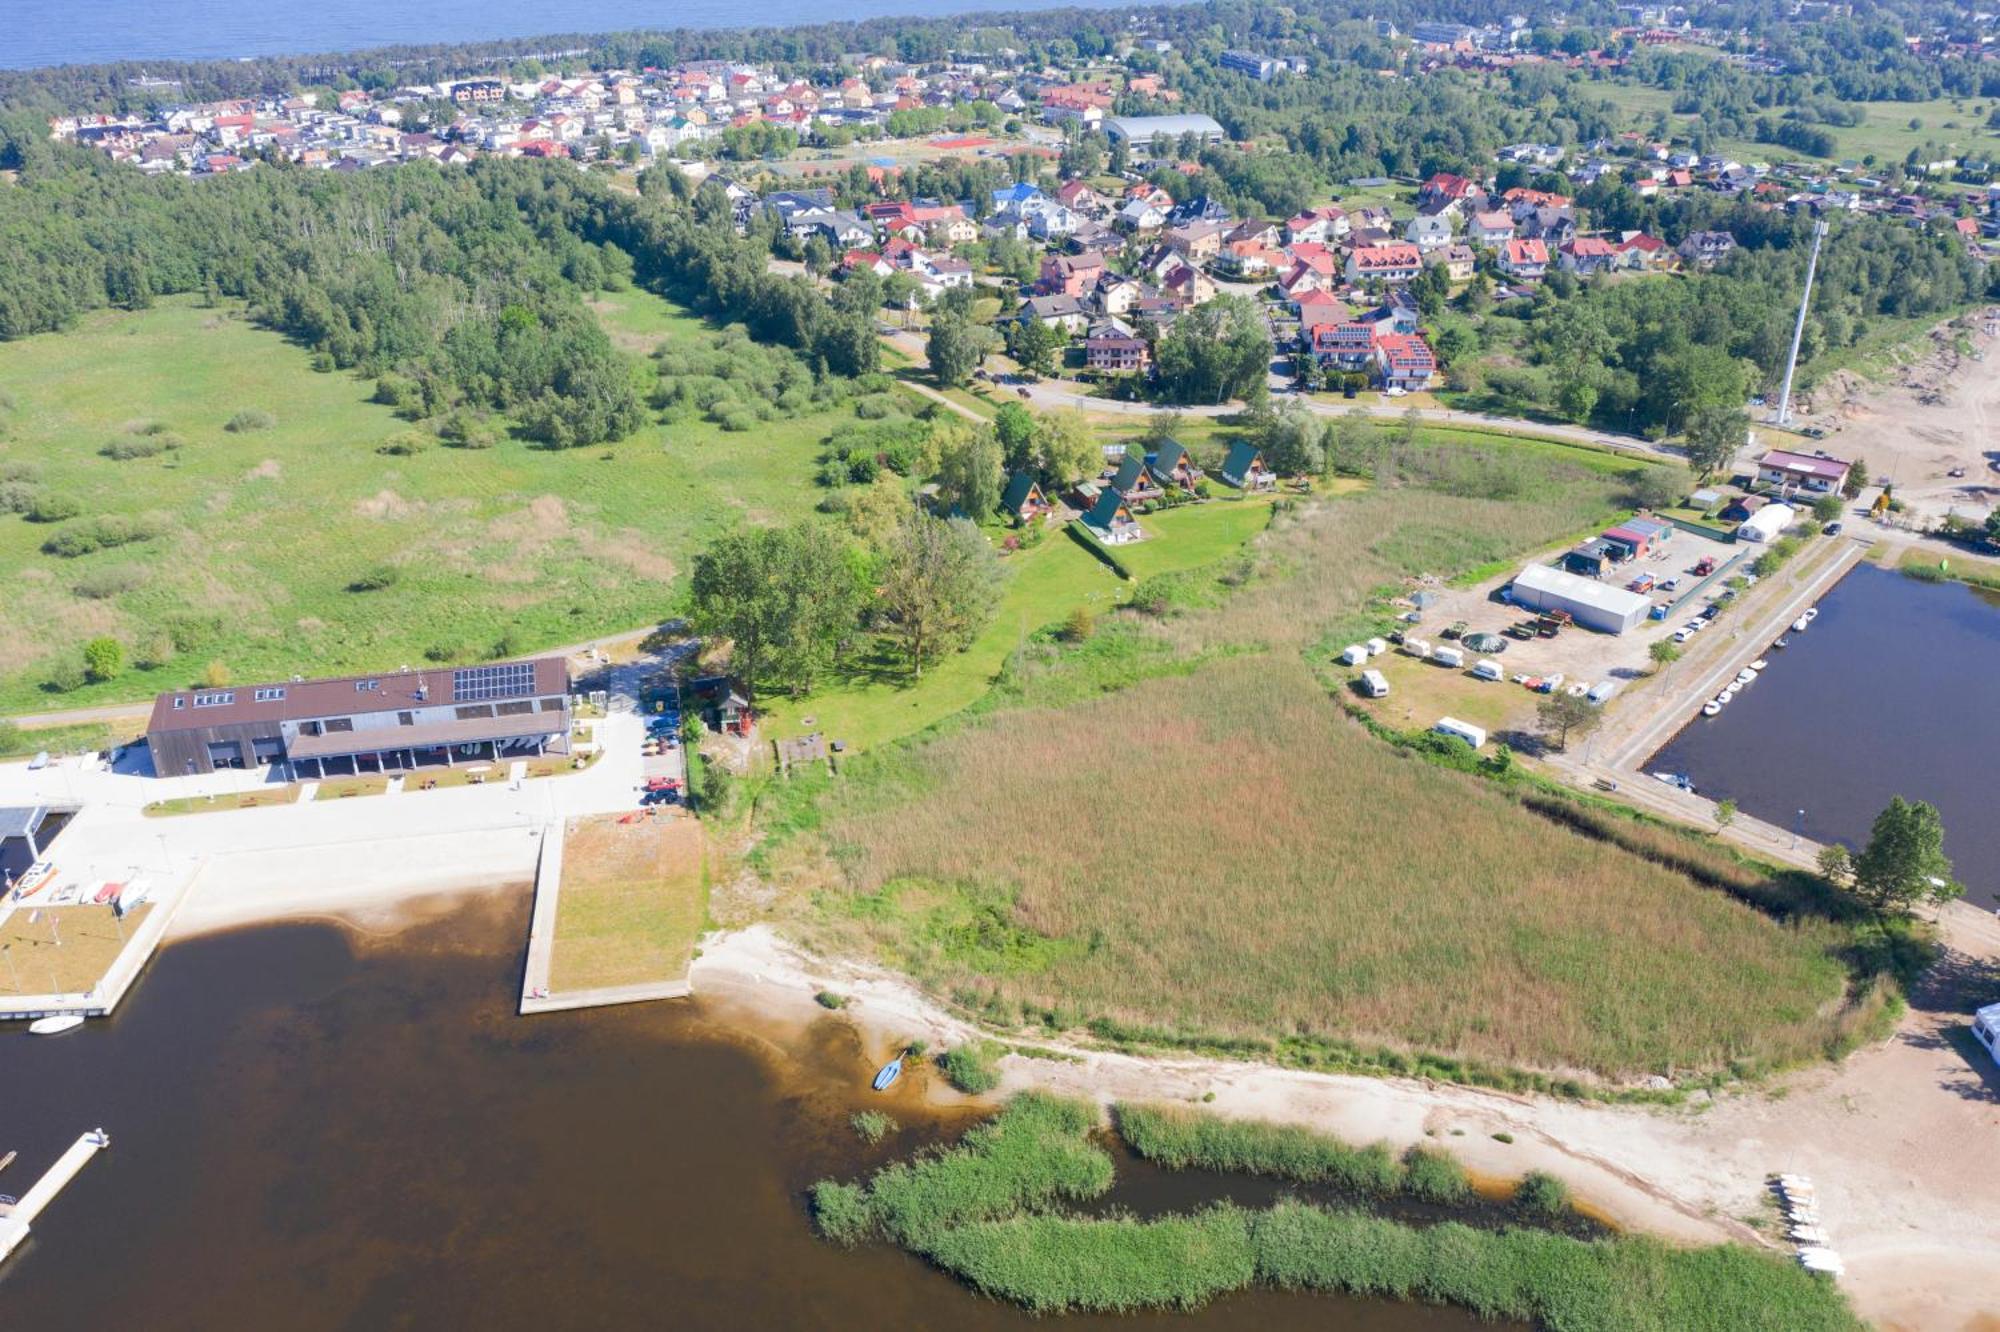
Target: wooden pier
15,1224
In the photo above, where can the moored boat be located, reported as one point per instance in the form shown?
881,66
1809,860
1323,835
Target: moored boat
55,1026
1799,625
1710,708
888,1074
1759,664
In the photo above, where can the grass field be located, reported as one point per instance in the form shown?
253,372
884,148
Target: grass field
880,701
1216,854
65,951
634,899
1957,125
260,535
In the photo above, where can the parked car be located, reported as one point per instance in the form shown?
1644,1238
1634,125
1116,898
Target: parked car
1833,529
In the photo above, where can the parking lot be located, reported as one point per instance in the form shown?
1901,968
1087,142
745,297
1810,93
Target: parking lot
1420,691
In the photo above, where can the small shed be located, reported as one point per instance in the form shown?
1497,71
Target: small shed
1590,558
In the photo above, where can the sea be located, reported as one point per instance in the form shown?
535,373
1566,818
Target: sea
68,32
320,1130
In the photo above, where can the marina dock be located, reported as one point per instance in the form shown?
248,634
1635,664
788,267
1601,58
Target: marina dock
15,1225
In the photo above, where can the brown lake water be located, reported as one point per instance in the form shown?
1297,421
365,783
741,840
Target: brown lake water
315,1130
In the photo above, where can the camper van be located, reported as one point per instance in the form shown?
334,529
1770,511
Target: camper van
1488,669
1376,647
1374,684
1986,1029
1353,655
1466,731
1448,656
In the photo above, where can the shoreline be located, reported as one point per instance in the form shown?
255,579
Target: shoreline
1913,1227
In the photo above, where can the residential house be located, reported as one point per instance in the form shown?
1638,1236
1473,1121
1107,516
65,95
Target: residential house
1173,466
1586,255
1706,249
1131,481
1064,312
1446,191
1023,500
1347,347
1189,286
1460,261
1070,275
1198,242
1078,197
1428,232
1639,251
1110,520
1404,360
1386,263
1142,215
1524,260
1245,470
1491,229
1814,473
1114,349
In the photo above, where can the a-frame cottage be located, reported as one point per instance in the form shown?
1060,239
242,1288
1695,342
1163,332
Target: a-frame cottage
1112,521
1023,500
1174,468
1130,481
1245,468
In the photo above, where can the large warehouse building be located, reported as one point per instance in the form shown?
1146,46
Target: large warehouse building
1139,132
1594,605
367,723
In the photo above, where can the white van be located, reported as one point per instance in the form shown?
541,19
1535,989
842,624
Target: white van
1353,655
1376,647
1417,647
1374,684
1448,656
1488,669
1986,1029
1466,731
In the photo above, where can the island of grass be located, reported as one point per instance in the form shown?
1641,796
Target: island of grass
1169,835
997,1211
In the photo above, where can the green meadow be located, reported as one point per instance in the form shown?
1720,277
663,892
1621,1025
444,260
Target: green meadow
300,545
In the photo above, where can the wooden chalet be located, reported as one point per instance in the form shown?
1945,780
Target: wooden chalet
1130,481
1111,520
1023,499
1245,469
1172,466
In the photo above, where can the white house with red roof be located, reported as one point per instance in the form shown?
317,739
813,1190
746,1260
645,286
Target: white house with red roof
1585,255
1524,260
1405,360
1814,473
1394,262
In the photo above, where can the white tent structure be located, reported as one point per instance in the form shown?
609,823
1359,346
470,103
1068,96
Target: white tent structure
1766,523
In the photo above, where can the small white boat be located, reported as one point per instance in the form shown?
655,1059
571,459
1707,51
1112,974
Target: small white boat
55,1026
1745,676
1759,664
1782,643
1799,625
1710,708
1812,613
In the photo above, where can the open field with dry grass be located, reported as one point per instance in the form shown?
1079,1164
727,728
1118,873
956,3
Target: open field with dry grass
1173,831
634,898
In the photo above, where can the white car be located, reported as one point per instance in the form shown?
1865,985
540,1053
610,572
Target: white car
1394,391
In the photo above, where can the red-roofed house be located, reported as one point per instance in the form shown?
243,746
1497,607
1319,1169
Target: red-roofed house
1405,360
1446,189
1524,259
1588,254
1396,262
1803,471
1346,346
1641,251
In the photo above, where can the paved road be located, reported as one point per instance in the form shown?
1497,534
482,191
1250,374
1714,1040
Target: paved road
1051,393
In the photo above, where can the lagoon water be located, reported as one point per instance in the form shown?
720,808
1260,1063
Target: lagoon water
1894,690
66,32
313,1131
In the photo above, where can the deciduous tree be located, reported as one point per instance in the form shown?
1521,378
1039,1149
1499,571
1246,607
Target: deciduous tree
939,583
1904,862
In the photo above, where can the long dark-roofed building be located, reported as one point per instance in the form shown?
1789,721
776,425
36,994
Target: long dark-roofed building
367,723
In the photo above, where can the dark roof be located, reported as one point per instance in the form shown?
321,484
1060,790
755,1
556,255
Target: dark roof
354,695
1019,487
429,735
1241,455
1131,472
1105,512
1168,457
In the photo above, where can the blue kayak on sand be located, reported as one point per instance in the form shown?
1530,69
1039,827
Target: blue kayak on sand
888,1073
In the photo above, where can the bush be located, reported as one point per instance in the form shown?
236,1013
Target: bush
249,419
871,1126
1181,1139
103,659
1435,1176
44,507
1541,1195
376,579
138,446
405,443
1080,625
97,534
828,999
875,407
970,1069
18,496
842,1213
103,584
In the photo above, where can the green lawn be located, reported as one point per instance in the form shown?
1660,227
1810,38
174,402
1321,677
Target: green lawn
260,535
1194,534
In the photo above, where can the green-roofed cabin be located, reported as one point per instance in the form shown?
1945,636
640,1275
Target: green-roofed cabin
1023,499
1130,479
1245,468
1112,520
1172,466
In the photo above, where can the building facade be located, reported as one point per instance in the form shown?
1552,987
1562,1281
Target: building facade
366,723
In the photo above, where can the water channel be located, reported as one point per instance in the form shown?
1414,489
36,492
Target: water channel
1893,690
313,1129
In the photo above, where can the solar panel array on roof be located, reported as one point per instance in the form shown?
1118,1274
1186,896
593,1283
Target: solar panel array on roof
510,680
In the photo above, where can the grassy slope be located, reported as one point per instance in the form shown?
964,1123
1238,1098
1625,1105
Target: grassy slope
265,530
1218,852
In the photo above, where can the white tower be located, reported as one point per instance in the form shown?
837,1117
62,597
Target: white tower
1784,416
